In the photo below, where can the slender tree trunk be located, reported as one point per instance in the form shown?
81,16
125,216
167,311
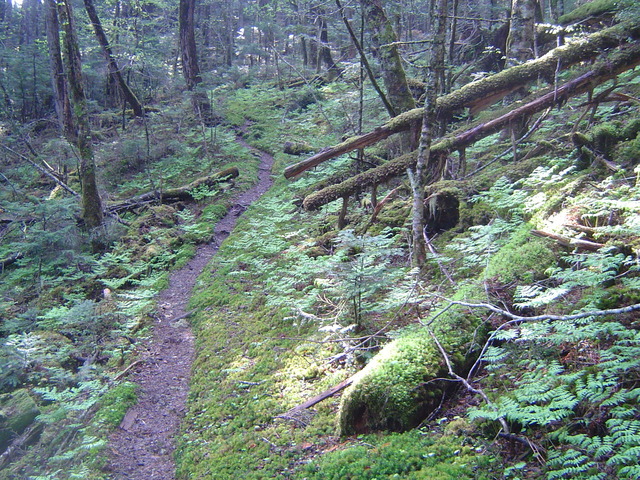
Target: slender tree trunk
190,67
363,60
91,203
425,160
324,52
58,80
521,46
114,70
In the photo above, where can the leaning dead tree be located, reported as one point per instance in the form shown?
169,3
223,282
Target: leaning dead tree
114,69
487,91
614,64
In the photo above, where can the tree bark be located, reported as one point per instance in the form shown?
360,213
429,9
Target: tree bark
485,92
425,160
91,204
114,70
521,38
615,63
190,67
384,40
324,51
58,81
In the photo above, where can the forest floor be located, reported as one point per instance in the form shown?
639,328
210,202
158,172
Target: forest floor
142,447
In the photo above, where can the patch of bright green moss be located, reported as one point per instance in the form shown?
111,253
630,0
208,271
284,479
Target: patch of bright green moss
411,455
115,403
524,258
591,9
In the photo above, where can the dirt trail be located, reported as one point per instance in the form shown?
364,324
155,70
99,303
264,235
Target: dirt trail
142,448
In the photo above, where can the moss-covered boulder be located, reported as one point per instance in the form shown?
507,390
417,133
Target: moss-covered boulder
17,412
397,390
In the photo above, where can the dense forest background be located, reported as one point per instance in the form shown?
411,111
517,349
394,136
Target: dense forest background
447,261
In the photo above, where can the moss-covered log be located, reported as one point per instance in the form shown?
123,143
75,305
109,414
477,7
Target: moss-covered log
17,411
621,61
174,194
596,8
482,93
397,389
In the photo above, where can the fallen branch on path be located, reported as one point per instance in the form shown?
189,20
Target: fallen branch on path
569,242
128,369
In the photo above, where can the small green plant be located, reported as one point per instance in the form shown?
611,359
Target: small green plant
114,404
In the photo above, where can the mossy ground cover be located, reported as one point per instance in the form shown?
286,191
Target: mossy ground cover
257,358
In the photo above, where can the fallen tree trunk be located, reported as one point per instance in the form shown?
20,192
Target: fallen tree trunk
482,93
615,64
11,259
569,242
174,194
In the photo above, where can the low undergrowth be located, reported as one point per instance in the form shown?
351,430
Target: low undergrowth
291,307
73,319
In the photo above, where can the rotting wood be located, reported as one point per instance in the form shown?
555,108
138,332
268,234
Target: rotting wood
20,443
13,258
569,242
317,399
614,64
173,194
128,420
473,94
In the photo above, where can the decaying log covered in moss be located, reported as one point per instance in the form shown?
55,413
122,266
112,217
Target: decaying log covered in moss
400,386
482,93
624,59
173,194
588,10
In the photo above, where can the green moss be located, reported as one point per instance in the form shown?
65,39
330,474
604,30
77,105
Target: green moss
523,259
628,153
391,392
591,9
115,403
411,455
17,412
605,136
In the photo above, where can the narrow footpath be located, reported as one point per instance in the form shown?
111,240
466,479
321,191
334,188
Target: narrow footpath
142,447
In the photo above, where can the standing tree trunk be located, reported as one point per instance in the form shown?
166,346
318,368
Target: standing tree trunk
324,51
384,37
190,67
363,59
521,46
521,39
91,203
114,70
425,160
59,83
